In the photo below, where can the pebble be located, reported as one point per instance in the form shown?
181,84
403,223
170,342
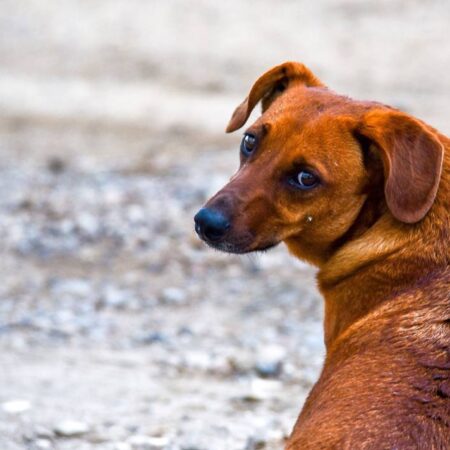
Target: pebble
16,406
73,287
199,360
262,389
135,213
42,444
143,442
269,363
71,428
173,295
269,369
88,223
115,298
154,337
122,446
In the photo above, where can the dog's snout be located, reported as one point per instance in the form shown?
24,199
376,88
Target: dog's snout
211,225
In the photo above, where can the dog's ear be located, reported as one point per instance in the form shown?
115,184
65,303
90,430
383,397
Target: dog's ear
268,86
412,158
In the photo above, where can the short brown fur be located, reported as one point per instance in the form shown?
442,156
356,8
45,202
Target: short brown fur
377,227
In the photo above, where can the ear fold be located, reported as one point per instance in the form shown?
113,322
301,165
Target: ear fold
266,87
412,158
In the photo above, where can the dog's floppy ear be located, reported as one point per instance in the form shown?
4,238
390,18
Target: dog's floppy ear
412,158
266,88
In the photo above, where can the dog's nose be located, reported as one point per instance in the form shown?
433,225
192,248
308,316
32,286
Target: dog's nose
211,225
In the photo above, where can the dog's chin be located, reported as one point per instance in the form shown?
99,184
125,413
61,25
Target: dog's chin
241,248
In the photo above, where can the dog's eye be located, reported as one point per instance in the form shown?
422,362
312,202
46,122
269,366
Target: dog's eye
305,180
248,144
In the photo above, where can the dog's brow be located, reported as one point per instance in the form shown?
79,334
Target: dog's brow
299,161
258,129
255,130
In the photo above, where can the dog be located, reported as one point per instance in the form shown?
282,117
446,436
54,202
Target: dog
360,190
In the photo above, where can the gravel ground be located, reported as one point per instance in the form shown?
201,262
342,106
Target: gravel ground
119,330
114,315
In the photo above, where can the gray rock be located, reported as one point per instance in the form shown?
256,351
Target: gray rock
269,369
269,362
71,428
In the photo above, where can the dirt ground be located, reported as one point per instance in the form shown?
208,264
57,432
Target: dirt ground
119,330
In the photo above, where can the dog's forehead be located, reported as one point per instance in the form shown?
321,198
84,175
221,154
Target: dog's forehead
300,105
310,124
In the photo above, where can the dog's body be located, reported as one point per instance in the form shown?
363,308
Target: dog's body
361,191
386,383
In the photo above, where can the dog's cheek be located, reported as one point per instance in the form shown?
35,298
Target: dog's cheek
332,218
342,218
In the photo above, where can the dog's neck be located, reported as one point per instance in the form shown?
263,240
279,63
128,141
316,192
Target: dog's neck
381,273
383,261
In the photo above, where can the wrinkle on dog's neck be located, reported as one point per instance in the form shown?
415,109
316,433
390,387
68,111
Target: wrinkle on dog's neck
378,242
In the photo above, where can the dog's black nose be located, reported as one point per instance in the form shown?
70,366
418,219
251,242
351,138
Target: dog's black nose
211,225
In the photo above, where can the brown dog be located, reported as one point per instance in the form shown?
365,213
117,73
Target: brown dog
360,190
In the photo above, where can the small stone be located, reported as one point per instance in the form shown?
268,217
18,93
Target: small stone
42,444
56,165
142,442
16,406
73,287
198,360
269,362
136,213
174,295
158,441
88,223
269,369
255,443
154,337
122,446
262,389
69,428
116,298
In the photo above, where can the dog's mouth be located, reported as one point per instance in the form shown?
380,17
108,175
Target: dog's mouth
240,246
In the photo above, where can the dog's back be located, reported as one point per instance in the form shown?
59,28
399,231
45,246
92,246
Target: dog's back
386,381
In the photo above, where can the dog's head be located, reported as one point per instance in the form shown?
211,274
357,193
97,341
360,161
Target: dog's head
318,168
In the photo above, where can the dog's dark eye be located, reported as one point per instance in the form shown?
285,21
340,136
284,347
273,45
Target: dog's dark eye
248,144
305,180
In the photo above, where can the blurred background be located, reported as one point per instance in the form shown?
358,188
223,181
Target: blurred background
118,329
